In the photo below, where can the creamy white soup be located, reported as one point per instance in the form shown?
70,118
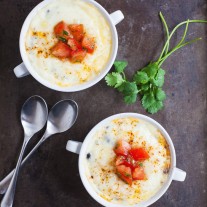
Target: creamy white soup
100,161
40,38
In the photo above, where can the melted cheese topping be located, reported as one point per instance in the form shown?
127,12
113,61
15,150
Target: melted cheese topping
100,167
40,38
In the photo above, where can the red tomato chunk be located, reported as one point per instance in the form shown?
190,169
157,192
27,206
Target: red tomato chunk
139,154
72,42
124,173
128,162
89,44
78,56
62,30
61,50
77,31
122,148
138,173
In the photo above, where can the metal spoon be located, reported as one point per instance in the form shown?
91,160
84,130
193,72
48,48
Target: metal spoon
33,118
61,118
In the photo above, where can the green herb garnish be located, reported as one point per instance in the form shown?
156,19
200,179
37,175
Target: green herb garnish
65,32
127,175
148,81
62,39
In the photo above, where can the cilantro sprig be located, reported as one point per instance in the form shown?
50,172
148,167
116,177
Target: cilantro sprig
148,81
118,80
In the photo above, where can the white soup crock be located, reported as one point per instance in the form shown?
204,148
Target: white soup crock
26,68
81,149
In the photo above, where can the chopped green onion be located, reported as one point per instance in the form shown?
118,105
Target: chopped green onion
65,32
62,39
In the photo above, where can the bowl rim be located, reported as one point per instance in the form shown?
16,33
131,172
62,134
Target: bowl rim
99,77
165,186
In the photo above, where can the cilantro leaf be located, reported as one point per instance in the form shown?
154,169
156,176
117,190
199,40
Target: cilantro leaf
114,79
141,77
144,87
120,66
159,78
160,94
147,100
128,88
155,107
130,99
130,91
151,69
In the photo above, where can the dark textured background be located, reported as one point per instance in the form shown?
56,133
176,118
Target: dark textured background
51,178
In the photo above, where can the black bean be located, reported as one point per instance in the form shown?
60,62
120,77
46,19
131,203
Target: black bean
88,156
166,170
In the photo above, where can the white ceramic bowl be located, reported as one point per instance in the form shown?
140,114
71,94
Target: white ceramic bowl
26,68
81,148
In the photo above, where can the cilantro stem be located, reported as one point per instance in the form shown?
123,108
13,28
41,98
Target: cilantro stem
123,75
185,33
167,31
174,30
176,48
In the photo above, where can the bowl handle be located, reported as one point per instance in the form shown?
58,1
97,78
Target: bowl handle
74,146
117,17
179,175
21,71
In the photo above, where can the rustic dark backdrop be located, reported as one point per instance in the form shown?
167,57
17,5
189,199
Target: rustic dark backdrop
51,178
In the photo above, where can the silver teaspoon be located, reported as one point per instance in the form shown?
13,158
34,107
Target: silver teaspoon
33,118
61,118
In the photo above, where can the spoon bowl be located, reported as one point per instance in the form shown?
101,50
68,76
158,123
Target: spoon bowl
34,114
62,116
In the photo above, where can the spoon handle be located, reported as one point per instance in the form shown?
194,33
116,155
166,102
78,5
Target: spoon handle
5,182
7,201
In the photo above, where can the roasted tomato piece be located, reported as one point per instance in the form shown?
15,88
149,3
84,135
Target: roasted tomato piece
122,148
138,173
89,44
131,162
62,30
77,31
139,154
127,161
122,160
124,173
61,50
74,44
78,55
